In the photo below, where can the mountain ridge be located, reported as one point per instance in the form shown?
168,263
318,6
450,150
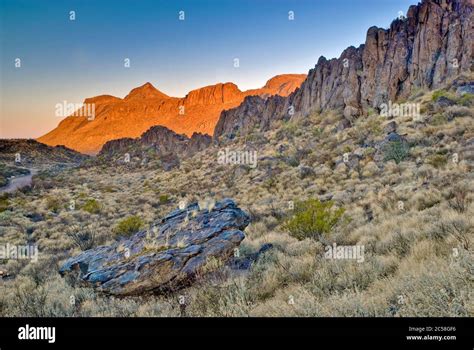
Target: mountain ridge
426,49
145,106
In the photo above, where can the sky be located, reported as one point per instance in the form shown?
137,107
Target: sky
70,60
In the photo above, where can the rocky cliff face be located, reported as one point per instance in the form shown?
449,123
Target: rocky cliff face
427,48
146,106
214,94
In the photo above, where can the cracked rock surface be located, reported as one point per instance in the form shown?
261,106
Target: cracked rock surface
165,257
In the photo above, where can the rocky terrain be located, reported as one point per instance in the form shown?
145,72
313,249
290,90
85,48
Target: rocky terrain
17,157
348,210
424,50
157,141
417,255
145,106
33,153
9,171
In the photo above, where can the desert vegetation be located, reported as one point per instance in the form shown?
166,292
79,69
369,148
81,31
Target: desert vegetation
408,203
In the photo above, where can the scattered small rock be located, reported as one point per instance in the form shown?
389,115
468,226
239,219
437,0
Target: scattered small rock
35,217
390,127
350,112
465,89
368,212
444,101
282,148
343,124
325,197
393,137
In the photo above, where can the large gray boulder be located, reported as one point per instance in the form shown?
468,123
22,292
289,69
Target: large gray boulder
167,256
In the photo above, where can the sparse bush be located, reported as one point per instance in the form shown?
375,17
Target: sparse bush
313,218
92,206
83,237
437,160
426,199
288,129
441,93
129,226
164,198
460,229
109,189
396,151
4,204
457,112
439,119
30,299
3,181
466,100
53,204
459,201
293,158
270,183
374,125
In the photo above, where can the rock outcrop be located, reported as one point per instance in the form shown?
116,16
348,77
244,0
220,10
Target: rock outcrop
146,106
427,48
167,256
158,139
33,153
254,112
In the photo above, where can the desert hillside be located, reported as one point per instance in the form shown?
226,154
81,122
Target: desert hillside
404,186
351,196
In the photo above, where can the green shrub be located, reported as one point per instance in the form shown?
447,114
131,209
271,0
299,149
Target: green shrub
440,93
313,218
164,198
369,152
374,125
396,150
439,119
91,206
466,100
129,226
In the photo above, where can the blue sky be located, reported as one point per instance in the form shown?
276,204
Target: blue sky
71,60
